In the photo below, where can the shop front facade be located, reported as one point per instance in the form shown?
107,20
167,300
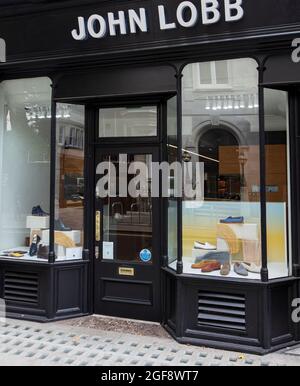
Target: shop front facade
208,85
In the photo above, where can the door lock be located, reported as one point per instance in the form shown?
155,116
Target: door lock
98,226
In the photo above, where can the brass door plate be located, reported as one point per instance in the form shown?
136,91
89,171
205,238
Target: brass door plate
98,226
125,271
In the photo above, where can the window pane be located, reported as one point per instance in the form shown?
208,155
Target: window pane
222,72
277,158
25,168
205,73
127,221
128,122
69,190
221,226
172,202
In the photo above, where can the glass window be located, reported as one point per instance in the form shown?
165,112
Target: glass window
138,121
127,221
69,190
172,201
277,181
221,226
25,168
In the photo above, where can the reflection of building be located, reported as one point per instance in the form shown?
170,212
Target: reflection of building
221,122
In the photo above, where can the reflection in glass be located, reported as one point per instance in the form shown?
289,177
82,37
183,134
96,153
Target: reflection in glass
69,192
138,121
277,177
172,202
127,221
221,235
25,168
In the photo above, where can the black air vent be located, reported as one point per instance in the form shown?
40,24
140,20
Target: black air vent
21,287
222,310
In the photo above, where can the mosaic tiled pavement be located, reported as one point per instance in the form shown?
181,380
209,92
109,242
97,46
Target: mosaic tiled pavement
27,343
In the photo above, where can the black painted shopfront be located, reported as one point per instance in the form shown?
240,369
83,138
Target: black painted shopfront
209,82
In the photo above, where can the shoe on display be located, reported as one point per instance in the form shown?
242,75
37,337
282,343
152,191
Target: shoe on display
239,269
16,254
43,252
34,245
232,220
12,251
205,246
60,226
251,267
202,264
225,269
221,257
211,267
38,211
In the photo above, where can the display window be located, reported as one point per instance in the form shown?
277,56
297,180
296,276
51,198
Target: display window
25,168
221,231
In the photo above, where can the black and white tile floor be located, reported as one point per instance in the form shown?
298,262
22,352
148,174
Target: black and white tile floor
26,343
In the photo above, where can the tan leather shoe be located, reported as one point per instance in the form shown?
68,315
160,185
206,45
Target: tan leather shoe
225,269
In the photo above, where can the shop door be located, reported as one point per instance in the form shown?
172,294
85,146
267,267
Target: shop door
127,235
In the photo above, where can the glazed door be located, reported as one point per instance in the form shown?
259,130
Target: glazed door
127,235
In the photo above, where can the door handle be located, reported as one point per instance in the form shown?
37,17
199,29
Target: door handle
98,226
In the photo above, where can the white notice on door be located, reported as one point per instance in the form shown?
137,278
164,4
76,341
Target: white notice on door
108,250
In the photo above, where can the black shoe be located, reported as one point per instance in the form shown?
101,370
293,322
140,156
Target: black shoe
60,226
34,245
38,211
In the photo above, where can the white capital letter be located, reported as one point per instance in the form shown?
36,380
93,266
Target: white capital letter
91,26
296,51
162,19
296,311
210,11
180,14
236,7
81,33
137,20
114,22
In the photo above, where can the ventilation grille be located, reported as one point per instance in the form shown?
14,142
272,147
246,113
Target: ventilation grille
222,310
21,287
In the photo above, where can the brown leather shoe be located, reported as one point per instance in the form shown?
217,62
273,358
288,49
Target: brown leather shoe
216,266
203,263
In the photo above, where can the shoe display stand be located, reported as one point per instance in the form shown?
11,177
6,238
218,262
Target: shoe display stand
66,242
70,250
276,270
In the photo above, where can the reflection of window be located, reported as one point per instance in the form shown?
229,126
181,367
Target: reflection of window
212,75
139,121
71,137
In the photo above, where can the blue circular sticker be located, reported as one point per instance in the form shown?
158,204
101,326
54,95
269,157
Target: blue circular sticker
145,255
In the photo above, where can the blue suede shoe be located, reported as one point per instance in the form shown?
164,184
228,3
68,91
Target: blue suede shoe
232,220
